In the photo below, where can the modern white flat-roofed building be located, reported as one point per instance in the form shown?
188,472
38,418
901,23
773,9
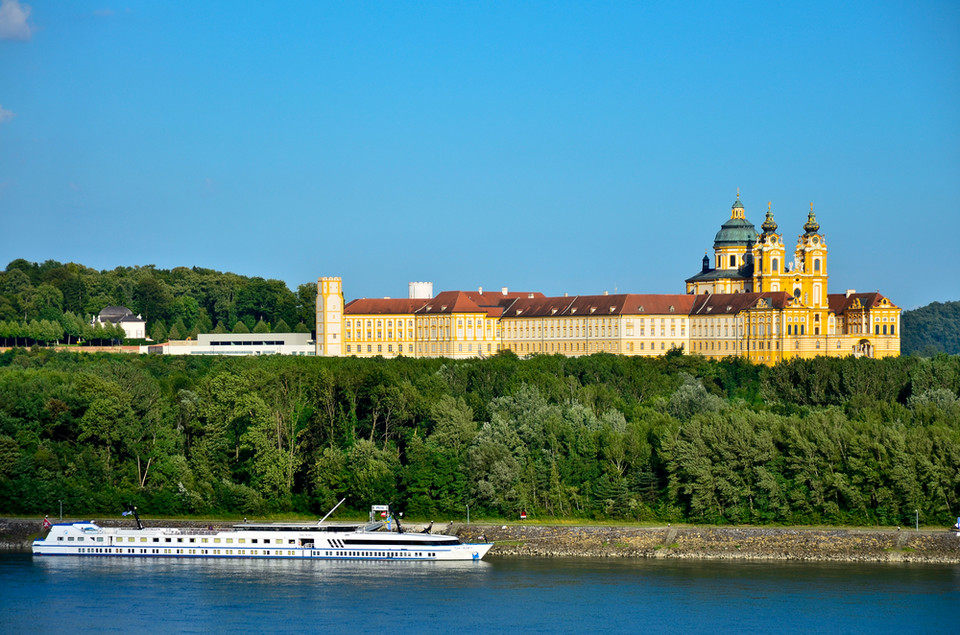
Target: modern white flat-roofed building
238,344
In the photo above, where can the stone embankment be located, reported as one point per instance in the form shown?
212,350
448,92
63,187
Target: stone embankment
852,545
763,543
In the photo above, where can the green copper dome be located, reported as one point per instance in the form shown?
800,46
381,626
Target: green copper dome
736,232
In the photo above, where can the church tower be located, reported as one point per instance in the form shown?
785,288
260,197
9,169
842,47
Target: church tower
768,257
329,317
809,274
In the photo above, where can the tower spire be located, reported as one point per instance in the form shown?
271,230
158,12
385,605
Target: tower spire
736,211
811,226
769,225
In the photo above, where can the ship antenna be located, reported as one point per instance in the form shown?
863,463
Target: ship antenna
320,522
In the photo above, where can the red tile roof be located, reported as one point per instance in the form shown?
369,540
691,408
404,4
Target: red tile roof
597,305
498,298
733,303
840,302
382,306
522,305
450,302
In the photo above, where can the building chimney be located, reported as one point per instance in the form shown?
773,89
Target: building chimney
850,292
503,290
480,290
529,296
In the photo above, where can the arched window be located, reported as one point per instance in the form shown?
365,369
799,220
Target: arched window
816,265
775,265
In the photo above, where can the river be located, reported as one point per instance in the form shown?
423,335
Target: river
496,595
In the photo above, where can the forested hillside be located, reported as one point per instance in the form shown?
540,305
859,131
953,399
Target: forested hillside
677,438
54,302
931,329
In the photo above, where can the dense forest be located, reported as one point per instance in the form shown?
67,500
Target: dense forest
931,329
676,438
54,303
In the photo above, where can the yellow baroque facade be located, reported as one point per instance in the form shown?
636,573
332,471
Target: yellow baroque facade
747,301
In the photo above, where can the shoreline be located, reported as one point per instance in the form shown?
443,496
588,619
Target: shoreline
720,543
685,542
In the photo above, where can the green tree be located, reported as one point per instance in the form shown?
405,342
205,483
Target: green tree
152,298
159,332
72,326
178,331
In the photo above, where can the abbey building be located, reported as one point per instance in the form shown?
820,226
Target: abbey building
753,299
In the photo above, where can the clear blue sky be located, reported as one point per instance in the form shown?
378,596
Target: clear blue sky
552,146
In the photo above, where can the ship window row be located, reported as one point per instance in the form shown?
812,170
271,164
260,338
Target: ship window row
266,541
432,543
379,554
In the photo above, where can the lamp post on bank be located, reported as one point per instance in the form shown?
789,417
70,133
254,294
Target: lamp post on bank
918,519
61,509
468,514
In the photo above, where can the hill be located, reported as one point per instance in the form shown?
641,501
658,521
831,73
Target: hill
931,329
179,301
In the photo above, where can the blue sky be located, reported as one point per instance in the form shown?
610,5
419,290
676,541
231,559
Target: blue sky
552,146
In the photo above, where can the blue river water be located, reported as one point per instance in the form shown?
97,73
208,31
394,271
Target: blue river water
65,594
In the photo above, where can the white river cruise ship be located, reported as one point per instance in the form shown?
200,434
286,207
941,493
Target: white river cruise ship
374,540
